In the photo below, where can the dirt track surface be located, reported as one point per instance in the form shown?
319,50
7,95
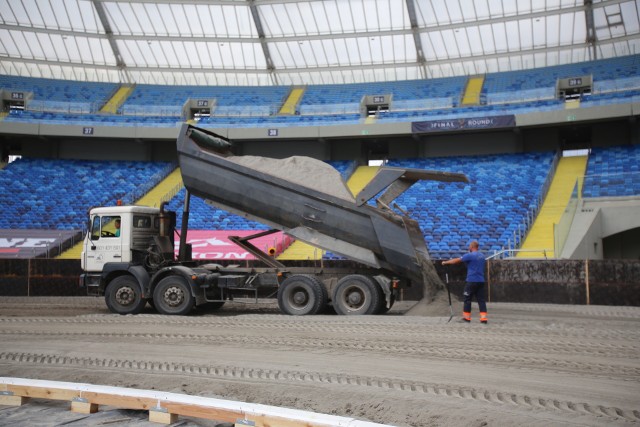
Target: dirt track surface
534,365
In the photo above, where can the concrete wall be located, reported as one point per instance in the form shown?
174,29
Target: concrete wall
347,149
466,144
575,115
282,149
104,150
597,219
540,139
600,282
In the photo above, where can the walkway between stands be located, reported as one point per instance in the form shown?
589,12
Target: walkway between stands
541,234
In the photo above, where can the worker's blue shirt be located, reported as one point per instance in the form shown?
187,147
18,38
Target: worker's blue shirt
475,266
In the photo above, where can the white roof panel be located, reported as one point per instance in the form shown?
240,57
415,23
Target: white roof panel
305,41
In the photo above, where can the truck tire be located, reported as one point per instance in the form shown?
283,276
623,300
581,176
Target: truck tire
381,308
123,296
302,294
173,296
356,294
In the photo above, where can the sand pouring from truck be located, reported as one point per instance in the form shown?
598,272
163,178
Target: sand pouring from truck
303,197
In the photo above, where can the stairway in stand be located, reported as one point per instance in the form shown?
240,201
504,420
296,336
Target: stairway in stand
118,98
539,241
290,104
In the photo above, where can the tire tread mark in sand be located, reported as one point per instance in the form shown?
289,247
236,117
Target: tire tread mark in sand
626,373
403,329
524,345
236,372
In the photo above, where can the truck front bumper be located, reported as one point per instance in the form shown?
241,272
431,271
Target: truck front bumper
91,282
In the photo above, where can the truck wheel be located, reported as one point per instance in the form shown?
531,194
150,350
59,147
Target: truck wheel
123,296
356,294
173,296
301,294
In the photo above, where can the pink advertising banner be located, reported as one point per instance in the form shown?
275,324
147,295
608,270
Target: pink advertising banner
207,244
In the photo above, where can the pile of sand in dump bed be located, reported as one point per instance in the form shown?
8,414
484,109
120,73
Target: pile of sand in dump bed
305,171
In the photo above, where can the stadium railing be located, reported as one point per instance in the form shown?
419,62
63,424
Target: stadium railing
520,234
562,228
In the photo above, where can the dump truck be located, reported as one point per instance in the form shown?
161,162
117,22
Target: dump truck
129,254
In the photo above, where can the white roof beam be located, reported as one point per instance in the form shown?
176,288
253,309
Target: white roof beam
221,39
439,27
591,30
329,68
261,37
517,17
413,19
109,34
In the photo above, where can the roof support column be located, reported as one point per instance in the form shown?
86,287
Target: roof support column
263,41
591,30
122,67
413,19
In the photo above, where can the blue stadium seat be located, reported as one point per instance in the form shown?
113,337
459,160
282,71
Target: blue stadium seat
489,209
613,172
57,193
616,80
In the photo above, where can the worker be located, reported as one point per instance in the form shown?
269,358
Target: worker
475,281
117,224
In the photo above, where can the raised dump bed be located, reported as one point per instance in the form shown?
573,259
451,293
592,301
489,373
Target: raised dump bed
308,200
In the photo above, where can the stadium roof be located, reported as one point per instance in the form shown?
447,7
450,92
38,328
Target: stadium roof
284,42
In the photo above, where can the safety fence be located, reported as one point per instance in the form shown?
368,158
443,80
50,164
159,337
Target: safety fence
599,282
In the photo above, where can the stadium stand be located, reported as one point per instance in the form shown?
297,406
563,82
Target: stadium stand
539,84
236,100
56,193
61,95
93,119
613,172
615,80
503,189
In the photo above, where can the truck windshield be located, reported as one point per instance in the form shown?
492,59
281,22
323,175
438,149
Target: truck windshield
105,226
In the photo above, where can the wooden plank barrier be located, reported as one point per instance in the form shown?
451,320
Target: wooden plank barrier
165,407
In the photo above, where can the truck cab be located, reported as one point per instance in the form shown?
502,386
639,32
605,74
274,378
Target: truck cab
117,234
123,251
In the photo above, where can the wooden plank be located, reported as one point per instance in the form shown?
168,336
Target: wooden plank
13,400
174,404
43,392
120,401
199,411
162,417
83,407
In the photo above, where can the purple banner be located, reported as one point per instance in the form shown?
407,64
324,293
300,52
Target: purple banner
489,122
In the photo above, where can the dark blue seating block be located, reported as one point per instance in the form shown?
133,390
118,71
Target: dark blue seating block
489,209
613,172
57,193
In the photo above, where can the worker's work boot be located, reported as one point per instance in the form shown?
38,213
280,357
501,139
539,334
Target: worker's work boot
483,318
466,316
